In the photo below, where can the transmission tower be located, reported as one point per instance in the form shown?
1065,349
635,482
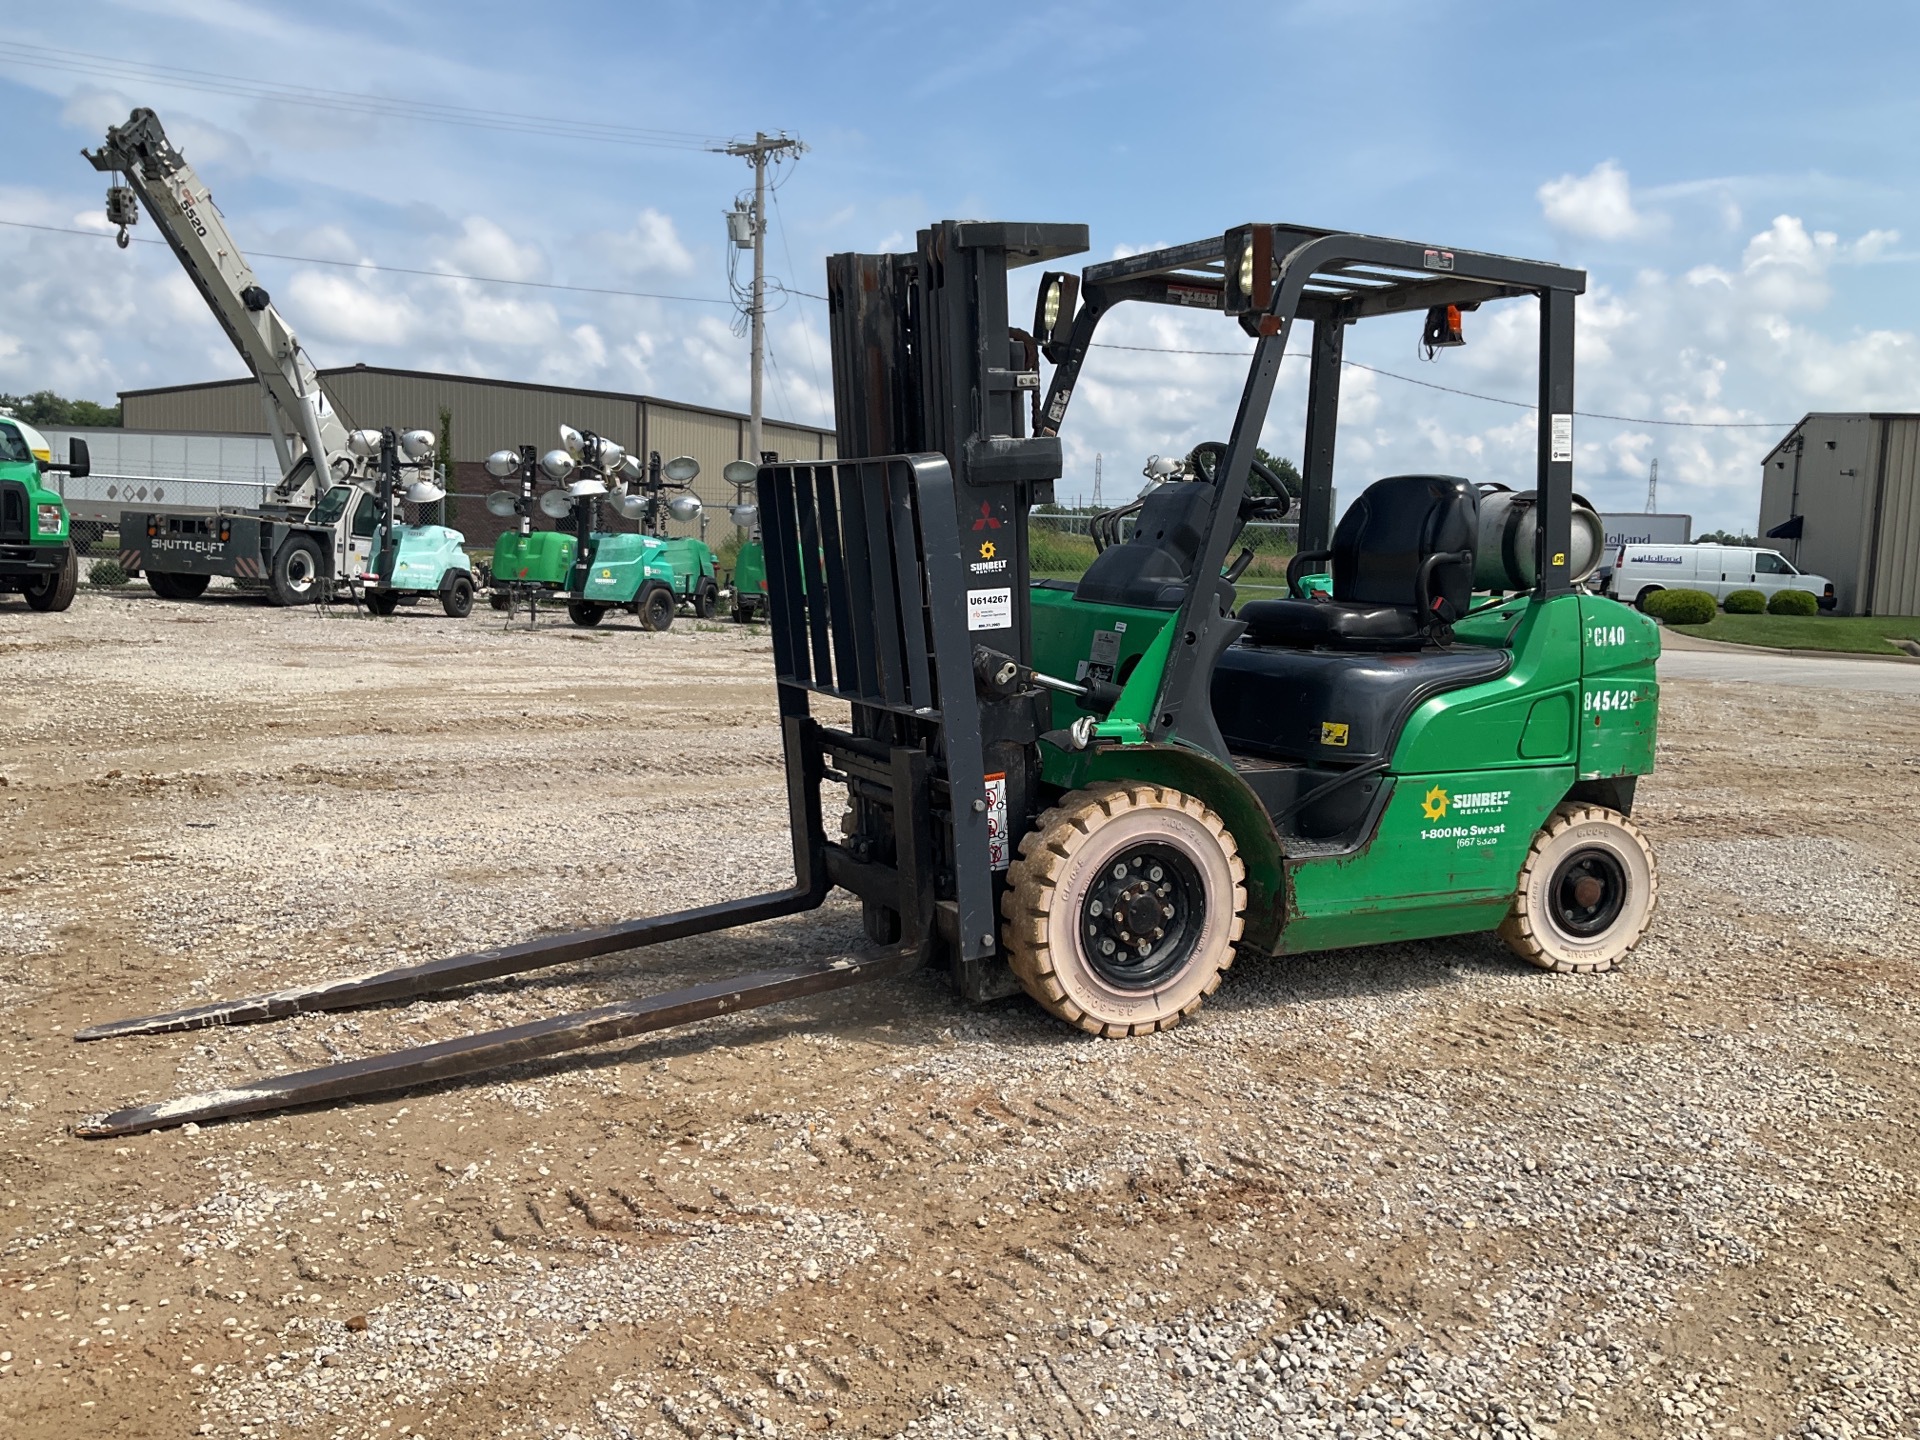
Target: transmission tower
1653,487
1096,480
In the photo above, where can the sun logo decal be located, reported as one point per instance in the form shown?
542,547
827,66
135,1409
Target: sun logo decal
1435,804
987,550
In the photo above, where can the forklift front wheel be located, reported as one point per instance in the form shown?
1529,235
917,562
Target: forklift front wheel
1586,892
1124,906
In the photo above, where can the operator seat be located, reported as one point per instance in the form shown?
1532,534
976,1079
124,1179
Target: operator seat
1402,571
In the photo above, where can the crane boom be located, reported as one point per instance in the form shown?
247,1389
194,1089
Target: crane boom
308,435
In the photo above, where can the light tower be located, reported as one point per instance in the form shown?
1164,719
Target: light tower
1653,487
1096,479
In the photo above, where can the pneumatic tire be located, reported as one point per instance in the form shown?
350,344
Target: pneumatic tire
55,592
1124,907
1640,600
656,608
1586,891
456,598
706,600
382,602
297,573
585,613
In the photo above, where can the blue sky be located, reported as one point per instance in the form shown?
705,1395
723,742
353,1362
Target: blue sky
1738,179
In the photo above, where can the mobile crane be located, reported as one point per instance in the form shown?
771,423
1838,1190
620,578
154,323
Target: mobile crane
331,520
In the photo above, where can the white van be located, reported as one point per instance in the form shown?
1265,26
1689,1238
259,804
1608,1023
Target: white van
1639,570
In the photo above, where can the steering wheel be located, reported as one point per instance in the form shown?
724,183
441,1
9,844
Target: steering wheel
1269,499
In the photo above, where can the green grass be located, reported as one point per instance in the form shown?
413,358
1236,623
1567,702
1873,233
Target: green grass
1860,635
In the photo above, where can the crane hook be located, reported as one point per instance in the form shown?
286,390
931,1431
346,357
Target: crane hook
121,239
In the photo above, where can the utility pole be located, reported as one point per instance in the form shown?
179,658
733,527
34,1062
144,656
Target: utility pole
757,153
1653,486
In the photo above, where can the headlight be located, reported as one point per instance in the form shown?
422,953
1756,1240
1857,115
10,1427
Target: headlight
49,519
1246,267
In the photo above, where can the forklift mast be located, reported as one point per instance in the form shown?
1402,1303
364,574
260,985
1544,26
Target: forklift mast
886,576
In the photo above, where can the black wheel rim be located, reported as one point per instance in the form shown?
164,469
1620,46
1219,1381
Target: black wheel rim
1141,918
1588,892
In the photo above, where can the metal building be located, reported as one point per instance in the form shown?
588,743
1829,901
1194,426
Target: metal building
489,415
1841,496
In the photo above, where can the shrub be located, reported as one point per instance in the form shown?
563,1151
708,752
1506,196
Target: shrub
1793,602
1682,607
106,575
1744,602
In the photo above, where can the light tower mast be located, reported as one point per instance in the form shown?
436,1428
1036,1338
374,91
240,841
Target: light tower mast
1653,487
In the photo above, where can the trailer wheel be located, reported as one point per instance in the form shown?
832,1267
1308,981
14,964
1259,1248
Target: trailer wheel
585,612
382,602
1124,906
500,599
706,600
54,592
1586,892
457,598
297,573
743,611
656,608
172,586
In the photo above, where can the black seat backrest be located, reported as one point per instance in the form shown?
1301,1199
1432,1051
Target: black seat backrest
1153,568
1387,533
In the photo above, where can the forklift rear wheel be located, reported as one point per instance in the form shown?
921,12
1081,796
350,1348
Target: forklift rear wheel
585,612
1124,906
1586,892
656,608
382,602
706,600
55,592
457,598
296,573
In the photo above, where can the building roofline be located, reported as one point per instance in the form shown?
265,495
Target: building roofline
1801,424
619,395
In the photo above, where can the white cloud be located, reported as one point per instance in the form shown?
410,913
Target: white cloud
1598,205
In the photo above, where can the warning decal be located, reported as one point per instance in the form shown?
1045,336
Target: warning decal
1562,438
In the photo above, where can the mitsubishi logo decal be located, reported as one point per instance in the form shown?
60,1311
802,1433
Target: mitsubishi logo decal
986,520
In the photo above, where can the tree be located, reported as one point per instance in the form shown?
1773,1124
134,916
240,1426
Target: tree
1726,537
1288,472
43,407
445,507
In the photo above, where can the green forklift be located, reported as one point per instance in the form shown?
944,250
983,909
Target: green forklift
1102,792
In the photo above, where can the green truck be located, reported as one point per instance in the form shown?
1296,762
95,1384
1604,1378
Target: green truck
36,551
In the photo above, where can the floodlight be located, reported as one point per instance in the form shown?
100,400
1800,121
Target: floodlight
681,469
557,464
501,503
556,503
426,492
631,468
743,515
631,507
418,444
608,455
1246,267
587,485
740,472
684,507
572,441
364,443
503,464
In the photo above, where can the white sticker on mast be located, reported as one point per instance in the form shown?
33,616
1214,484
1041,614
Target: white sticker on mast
1562,439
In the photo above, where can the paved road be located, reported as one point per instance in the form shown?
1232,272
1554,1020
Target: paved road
1768,669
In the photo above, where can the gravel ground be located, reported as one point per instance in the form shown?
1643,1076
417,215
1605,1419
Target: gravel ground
1409,1190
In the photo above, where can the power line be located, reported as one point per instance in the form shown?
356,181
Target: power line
397,269
46,57
1475,394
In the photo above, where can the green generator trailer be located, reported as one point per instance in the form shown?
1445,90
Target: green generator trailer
594,571
1103,792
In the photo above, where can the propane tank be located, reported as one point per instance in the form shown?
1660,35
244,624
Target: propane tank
1509,520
